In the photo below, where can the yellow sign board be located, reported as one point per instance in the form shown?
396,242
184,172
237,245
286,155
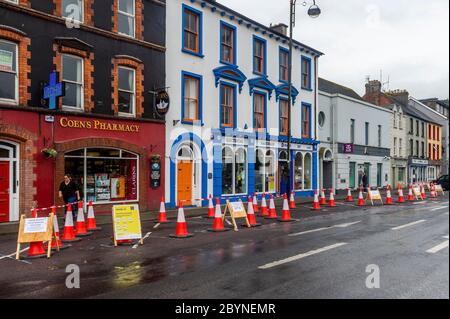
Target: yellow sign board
374,195
417,193
236,211
126,223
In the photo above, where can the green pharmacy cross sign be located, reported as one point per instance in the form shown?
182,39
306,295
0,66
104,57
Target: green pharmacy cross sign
54,90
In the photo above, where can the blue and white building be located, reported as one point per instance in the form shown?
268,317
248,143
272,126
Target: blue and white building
226,130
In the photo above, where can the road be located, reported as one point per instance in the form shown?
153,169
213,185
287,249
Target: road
327,254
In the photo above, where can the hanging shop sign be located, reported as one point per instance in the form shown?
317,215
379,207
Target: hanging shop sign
98,125
155,172
162,102
54,90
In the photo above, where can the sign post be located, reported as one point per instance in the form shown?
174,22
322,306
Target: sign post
236,211
127,223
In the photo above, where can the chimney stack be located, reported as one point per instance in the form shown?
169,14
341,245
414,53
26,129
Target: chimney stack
373,87
279,28
401,95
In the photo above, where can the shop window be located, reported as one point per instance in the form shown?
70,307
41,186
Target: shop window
127,17
127,91
9,78
308,171
234,171
72,76
73,9
265,171
298,172
104,175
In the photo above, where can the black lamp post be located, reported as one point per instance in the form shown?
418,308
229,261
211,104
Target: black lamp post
314,12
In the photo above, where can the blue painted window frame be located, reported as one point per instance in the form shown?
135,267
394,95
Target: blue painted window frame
200,31
256,92
264,42
282,99
200,97
309,61
235,88
309,106
283,50
232,27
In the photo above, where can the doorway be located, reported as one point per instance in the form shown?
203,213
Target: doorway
184,185
9,182
283,172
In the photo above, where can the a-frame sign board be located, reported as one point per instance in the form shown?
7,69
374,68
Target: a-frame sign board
236,210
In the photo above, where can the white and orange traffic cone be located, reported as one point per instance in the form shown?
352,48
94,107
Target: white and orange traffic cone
211,212
57,234
388,196
349,197
332,202
401,197
272,210
69,232
255,204
36,248
81,230
285,213
292,200
181,230
251,214
264,211
316,205
162,217
91,223
410,194
361,201
323,198
433,193
218,220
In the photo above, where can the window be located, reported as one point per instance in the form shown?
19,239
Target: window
322,119
73,9
423,150
400,121
417,148
284,65
234,171
352,131
395,146
8,72
227,43
423,129
400,147
259,118
106,175
306,121
429,150
192,31
265,171
379,135
259,56
127,91
417,128
227,105
191,110
72,76
367,133
411,126
306,73
127,18
298,172
284,117
308,171
411,147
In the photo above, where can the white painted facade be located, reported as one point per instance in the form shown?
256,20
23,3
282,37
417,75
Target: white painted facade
206,131
399,149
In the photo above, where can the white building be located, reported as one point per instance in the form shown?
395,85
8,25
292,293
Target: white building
355,135
226,128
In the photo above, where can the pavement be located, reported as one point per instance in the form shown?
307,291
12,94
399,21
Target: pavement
398,251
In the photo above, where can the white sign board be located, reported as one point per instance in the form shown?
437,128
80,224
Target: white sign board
238,207
35,225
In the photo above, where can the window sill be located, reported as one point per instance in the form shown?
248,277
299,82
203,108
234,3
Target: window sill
307,89
127,35
72,109
200,55
259,73
228,63
193,123
127,115
9,102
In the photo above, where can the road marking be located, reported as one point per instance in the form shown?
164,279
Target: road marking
13,254
144,238
409,225
323,228
419,203
156,226
300,256
438,248
439,208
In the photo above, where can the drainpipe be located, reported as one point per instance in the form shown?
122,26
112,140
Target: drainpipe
333,141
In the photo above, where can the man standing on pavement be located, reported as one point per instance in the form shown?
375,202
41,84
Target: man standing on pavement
70,193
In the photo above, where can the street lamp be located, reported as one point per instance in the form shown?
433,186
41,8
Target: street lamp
314,12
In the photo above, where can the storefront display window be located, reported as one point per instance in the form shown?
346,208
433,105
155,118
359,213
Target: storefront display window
234,171
265,172
104,175
298,176
308,171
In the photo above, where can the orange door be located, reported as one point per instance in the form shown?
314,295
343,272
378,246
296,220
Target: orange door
184,184
4,192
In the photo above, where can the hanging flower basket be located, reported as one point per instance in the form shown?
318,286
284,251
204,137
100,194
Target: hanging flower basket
49,152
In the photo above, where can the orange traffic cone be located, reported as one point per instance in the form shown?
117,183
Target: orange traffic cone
255,204
272,210
162,217
292,201
349,196
91,223
56,231
401,198
181,230
251,214
410,194
422,191
69,233
361,201
36,248
388,196
81,230
218,220
323,199
285,214
264,211
210,207
316,205
332,202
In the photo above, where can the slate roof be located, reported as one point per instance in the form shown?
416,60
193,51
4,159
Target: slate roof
334,88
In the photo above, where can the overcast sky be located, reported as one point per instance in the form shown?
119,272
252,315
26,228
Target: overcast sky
407,39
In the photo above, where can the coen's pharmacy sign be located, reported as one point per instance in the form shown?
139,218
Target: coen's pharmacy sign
98,125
